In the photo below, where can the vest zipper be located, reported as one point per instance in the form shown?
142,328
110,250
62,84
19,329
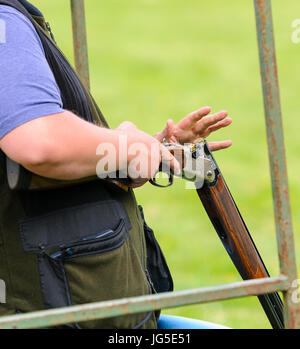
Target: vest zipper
150,280
143,269
50,31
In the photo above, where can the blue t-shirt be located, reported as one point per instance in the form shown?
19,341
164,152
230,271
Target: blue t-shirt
28,89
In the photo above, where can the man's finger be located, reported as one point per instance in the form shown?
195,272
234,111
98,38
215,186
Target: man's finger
223,123
166,132
193,117
208,121
168,159
213,146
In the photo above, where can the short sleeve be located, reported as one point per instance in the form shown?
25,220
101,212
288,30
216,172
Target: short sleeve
28,89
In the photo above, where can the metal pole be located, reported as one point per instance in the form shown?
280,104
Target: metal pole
120,307
80,41
283,220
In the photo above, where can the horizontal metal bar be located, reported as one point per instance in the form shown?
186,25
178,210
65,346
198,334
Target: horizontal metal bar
107,309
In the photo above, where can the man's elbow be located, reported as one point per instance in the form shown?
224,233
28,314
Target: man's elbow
32,144
37,158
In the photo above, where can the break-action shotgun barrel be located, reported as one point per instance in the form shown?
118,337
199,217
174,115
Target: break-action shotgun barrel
232,231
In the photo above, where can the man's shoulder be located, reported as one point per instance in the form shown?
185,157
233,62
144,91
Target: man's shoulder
15,19
11,12
18,27
27,86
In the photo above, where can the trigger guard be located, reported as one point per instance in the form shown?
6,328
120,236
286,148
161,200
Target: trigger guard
171,181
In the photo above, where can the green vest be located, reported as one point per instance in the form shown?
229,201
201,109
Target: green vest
76,245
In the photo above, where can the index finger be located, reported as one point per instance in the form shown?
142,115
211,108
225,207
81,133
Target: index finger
169,159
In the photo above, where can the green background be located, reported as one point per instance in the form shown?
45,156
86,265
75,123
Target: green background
151,60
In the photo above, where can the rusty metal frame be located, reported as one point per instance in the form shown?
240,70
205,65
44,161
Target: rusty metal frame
277,160
80,40
285,282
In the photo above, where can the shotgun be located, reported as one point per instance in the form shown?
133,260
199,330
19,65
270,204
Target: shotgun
198,166
235,237
226,219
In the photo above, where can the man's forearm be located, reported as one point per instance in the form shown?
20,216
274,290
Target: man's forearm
60,146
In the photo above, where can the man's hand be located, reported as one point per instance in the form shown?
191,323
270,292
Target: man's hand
144,155
196,125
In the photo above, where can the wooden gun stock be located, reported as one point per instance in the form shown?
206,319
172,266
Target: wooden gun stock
232,230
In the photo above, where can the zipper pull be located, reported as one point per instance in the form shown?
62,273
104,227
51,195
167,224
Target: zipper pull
149,280
50,31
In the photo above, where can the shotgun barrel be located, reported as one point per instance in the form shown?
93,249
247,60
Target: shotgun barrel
235,237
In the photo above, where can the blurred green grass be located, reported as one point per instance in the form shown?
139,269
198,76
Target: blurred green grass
151,60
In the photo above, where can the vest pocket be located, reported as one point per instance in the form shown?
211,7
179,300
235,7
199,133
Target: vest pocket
68,269
86,262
